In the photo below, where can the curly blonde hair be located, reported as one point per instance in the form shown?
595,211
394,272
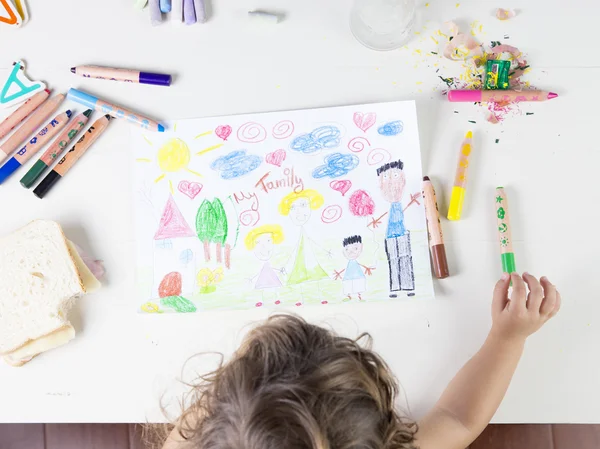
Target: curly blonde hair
294,385
315,200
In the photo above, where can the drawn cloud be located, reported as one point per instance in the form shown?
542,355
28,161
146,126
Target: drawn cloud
336,165
391,128
323,137
236,164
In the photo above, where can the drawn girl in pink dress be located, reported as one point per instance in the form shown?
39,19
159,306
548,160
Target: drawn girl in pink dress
262,241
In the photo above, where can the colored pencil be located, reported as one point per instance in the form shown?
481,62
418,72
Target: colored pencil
434,228
504,235
129,76
460,180
55,150
116,111
22,112
200,8
72,156
28,128
497,96
189,12
155,14
165,6
35,144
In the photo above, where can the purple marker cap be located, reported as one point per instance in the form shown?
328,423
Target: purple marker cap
156,79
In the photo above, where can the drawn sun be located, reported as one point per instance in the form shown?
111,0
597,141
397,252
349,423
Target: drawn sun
174,156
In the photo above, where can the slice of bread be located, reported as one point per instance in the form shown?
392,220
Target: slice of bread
38,283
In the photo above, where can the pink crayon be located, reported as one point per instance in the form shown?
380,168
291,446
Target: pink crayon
499,96
29,127
23,112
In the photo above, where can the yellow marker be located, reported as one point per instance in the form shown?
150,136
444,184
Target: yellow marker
460,181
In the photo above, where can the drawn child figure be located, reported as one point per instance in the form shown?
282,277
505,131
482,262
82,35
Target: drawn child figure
397,243
354,281
299,206
262,241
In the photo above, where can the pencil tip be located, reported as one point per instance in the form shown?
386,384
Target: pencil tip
88,113
426,178
69,113
552,95
108,117
469,135
47,91
161,129
73,69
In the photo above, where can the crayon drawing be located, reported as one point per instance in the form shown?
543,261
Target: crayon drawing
285,209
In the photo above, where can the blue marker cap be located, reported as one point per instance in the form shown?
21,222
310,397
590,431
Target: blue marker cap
8,169
156,79
82,98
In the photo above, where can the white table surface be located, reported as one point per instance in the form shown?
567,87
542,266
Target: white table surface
122,362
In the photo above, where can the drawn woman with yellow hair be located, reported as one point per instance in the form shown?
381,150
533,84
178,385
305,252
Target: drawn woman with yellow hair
299,206
262,241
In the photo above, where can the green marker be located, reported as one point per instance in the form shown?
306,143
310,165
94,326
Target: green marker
55,150
504,237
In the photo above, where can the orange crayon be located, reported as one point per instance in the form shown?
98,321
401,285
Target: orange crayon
434,229
22,112
29,127
72,156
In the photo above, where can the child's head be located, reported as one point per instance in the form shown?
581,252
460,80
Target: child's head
392,180
352,247
293,385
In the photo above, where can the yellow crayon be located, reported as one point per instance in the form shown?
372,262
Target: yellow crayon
460,180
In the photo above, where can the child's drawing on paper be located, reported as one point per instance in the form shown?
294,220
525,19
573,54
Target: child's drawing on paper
281,209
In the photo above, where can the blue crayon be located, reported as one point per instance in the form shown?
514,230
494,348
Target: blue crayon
165,6
34,145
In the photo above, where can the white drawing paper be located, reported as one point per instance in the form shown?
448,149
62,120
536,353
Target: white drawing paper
295,208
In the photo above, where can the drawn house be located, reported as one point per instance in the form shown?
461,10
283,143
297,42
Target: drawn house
176,247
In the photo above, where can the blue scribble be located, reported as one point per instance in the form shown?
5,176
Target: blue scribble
322,137
391,128
236,164
336,165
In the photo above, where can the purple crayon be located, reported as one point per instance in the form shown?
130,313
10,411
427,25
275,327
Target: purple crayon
189,12
126,75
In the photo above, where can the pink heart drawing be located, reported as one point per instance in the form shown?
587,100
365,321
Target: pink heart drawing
276,157
364,121
223,131
190,189
341,186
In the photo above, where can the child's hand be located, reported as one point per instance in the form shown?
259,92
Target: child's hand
523,314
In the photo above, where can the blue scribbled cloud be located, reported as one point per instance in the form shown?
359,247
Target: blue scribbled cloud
336,165
236,164
391,128
323,137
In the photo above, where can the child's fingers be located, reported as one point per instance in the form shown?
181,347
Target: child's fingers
536,293
557,306
500,296
519,293
550,297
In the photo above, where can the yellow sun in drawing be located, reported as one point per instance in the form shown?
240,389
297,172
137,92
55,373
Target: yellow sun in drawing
174,156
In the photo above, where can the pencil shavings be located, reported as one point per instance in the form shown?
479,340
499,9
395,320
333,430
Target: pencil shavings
505,14
461,46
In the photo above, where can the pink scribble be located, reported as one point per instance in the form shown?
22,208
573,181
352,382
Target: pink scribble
223,131
172,224
190,189
249,217
378,156
357,144
251,132
276,157
283,129
227,255
341,186
364,121
331,214
361,204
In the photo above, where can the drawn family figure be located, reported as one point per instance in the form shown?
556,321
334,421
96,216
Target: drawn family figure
397,243
262,241
354,280
299,206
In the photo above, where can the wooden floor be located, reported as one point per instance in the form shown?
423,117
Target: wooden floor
124,436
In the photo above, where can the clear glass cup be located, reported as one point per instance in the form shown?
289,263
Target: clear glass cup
382,24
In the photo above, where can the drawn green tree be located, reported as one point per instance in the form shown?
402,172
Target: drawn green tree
206,226
221,230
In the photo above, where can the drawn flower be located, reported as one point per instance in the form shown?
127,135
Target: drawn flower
501,213
504,242
502,227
